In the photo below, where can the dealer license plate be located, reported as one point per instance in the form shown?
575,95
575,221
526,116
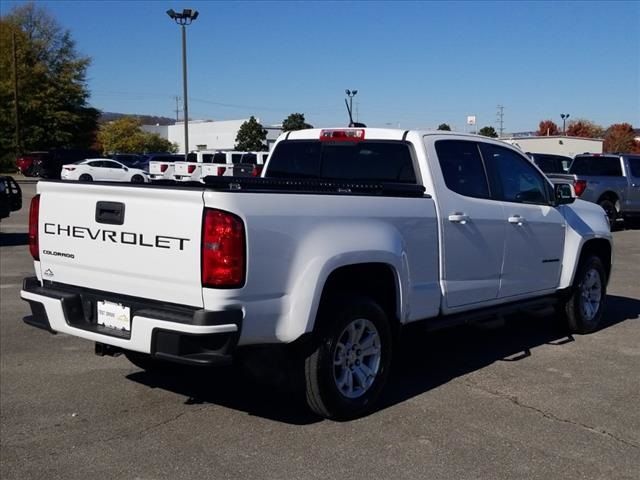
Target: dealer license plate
114,315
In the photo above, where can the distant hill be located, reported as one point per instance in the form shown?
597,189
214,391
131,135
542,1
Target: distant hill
145,119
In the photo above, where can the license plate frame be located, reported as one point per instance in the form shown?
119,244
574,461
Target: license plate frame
113,315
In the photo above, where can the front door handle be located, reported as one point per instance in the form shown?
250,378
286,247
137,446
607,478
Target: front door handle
516,220
458,218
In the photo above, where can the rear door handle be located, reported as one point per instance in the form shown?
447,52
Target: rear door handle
516,220
458,218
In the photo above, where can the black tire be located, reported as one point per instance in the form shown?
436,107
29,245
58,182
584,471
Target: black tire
324,395
85,177
147,362
137,179
610,208
581,318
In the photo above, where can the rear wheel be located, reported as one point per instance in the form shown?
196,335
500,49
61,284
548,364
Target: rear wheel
85,177
347,370
583,309
137,179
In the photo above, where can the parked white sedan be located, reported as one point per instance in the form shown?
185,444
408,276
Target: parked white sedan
103,169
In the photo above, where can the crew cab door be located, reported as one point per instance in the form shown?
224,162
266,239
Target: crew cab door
535,230
472,226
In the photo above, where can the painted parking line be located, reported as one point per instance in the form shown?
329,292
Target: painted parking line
10,285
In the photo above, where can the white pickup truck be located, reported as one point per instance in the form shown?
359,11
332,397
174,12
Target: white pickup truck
350,236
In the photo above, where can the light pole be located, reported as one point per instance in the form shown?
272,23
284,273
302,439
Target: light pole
564,117
350,94
183,19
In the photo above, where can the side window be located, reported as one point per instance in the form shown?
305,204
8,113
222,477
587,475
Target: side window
579,166
96,164
219,158
512,177
634,166
606,166
207,158
112,165
462,168
236,157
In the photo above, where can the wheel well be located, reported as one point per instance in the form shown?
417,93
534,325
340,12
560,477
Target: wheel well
374,280
600,248
608,196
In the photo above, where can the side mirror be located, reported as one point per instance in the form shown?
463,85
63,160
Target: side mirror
565,194
126,169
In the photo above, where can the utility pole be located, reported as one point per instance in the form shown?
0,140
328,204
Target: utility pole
177,97
500,115
15,94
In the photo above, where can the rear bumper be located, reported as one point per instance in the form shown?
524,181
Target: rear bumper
169,332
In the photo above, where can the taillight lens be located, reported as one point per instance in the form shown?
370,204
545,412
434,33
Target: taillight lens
580,186
221,171
34,214
191,168
223,250
342,135
163,168
257,171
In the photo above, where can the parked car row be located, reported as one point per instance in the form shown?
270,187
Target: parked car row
610,180
201,164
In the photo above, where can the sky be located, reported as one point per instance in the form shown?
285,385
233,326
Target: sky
414,64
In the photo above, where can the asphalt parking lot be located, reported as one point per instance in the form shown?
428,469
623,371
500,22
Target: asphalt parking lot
521,401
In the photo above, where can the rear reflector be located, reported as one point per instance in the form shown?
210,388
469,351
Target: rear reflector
580,186
163,168
355,135
191,168
34,214
221,171
223,250
257,171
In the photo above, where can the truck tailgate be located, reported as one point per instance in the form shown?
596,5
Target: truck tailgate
137,241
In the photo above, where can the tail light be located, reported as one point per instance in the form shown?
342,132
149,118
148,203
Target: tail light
580,186
221,171
223,250
71,169
191,168
34,215
163,168
257,171
342,135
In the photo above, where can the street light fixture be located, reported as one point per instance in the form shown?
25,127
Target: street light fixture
350,94
564,117
184,18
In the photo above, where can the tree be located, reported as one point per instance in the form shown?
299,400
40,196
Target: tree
125,135
488,132
295,121
445,127
52,90
251,137
547,127
620,138
584,128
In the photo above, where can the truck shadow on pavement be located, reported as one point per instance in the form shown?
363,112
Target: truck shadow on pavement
13,239
423,361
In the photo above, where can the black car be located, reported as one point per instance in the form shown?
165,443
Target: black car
50,164
10,196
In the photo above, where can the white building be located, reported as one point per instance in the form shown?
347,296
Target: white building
559,145
211,135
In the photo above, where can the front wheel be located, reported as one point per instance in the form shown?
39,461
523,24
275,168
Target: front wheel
348,368
583,309
610,207
137,179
